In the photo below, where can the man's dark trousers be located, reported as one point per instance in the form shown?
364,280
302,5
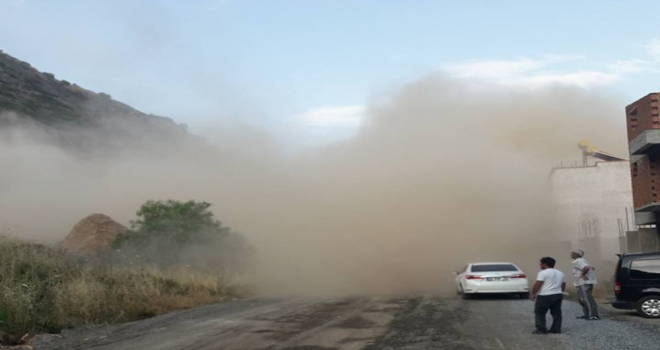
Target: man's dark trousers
545,303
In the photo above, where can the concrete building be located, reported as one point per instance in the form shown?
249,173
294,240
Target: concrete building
593,207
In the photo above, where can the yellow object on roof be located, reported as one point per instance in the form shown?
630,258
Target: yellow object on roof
589,150
587,147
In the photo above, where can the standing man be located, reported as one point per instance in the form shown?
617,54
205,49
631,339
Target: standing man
584,278
548,292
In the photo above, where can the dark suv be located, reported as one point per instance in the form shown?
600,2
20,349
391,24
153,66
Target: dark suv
637,283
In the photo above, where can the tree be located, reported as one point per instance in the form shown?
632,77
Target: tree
165,233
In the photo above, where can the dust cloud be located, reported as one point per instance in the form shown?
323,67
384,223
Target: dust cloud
442,173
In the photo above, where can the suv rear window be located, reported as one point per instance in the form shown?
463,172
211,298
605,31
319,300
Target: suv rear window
645,269
493,268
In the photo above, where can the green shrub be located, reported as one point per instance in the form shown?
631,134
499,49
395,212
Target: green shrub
169,233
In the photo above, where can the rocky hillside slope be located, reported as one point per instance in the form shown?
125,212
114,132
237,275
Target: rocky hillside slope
32,98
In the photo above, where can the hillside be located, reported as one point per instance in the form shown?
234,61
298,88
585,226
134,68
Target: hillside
38,99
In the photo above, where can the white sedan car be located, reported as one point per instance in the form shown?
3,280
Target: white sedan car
493,278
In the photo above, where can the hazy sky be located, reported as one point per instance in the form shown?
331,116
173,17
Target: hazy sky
312,65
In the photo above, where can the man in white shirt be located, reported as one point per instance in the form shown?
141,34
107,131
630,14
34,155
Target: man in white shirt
584,279
548,292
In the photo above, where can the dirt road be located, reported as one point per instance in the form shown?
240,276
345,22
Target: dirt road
418,322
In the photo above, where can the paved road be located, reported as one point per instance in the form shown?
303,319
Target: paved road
416,323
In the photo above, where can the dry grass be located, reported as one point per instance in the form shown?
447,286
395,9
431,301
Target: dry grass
44,289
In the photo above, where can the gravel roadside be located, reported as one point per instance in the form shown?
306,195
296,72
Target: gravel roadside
511,323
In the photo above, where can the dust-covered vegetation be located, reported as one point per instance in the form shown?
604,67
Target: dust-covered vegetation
167,233
46,289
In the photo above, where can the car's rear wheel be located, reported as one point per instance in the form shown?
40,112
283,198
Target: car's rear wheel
464,295
524,296
649,306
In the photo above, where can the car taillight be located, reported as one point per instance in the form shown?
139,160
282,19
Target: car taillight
519,276
473,277
617,288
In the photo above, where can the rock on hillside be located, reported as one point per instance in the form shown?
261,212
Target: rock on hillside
93,233
69,112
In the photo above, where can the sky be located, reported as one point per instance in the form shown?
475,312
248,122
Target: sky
310,67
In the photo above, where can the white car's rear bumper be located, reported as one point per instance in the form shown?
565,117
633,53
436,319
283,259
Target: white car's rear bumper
519,285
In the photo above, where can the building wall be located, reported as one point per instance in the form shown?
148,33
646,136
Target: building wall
642,115
644,178
589,202
644,240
